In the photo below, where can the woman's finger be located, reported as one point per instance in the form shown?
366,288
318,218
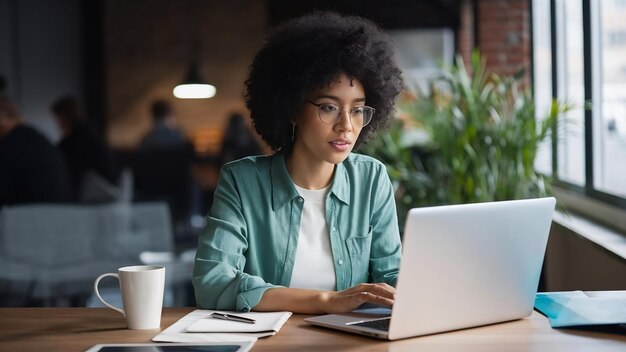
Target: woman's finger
369,297
377,288
381,290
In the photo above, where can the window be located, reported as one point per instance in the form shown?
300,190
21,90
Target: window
617,38
542,75
609,88
571,88
579,48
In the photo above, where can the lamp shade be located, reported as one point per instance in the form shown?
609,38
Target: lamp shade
194,86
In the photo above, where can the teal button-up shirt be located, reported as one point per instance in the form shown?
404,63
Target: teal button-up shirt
250,240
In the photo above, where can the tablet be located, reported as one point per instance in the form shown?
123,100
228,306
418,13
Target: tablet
174,347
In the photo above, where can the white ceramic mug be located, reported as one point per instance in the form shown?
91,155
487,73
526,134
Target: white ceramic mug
142,294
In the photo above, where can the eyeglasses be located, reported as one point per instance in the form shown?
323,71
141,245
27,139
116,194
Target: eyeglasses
331,113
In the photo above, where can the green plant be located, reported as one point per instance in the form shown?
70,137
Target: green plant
482,139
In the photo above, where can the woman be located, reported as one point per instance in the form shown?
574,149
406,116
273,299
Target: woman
312,228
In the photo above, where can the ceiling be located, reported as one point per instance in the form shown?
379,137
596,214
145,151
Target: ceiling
390,14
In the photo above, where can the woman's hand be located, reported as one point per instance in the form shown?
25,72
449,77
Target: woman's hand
307,301
350,299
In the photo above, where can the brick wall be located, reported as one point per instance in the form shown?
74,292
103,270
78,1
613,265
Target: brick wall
503,33
147,52
465,34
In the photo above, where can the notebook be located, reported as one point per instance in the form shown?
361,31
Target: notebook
178,332
583,308
266,322
462,266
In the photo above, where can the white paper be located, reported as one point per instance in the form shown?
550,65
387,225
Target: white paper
177,332
265,322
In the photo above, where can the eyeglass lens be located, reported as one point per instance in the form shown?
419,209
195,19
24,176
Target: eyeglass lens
360,115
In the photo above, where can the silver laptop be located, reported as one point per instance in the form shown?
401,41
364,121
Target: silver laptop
462,266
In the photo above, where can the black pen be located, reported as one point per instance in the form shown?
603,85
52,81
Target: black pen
232,317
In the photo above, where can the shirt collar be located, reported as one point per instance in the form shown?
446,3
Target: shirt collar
283,189
282,186
341,184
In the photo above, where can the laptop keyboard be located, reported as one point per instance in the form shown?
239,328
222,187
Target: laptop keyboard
379,324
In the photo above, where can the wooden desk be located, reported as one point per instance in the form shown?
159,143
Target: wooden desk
76,329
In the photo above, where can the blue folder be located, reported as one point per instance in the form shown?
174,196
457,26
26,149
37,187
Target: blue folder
578,308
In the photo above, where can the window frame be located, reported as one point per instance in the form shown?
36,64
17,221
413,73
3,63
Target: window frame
575,192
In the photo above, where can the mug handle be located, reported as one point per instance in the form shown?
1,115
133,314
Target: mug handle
95,288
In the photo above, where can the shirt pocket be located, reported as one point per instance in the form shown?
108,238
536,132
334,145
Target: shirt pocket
359,251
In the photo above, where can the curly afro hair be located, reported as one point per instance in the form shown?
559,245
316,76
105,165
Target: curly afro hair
310,52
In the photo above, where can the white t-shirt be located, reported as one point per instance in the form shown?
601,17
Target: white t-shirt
313,266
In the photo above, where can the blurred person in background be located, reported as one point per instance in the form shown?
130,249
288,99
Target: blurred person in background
161,167
84,151
238,140
164,132
32,170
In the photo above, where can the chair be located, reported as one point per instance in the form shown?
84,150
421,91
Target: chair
50,253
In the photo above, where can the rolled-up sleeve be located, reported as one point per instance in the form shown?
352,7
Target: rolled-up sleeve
219,279
386,245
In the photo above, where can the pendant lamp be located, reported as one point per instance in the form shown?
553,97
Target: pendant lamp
194,87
